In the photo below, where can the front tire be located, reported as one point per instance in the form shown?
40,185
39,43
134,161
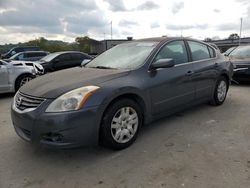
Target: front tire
121,124
220,91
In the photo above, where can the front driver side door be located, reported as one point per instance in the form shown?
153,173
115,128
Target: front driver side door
62,62
173,87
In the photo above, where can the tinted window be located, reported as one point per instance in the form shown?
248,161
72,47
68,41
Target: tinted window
77,56
175,50
212,52
199,51
64,57
38,54
20,57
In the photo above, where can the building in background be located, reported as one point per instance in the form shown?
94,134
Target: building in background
97,47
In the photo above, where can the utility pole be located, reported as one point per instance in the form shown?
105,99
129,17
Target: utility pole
111,30
241,20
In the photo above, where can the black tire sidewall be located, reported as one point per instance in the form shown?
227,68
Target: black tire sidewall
106,136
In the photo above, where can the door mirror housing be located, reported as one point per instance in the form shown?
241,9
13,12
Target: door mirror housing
163,63
85,62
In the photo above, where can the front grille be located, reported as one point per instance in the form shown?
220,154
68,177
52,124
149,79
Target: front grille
23,102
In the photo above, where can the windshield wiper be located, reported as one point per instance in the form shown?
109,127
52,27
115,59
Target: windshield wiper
103,67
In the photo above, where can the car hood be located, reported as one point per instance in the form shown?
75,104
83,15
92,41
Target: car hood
237,61
52,85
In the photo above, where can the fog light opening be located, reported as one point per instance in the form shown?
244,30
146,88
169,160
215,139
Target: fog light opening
53,137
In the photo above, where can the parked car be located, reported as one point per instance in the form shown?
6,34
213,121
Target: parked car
28,56
38,68
15,50
129,85
227,53
63,60
13,76
240,57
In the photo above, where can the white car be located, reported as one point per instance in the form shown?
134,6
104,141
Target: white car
15,74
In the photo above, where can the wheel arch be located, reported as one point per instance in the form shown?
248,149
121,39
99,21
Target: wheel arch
225,75
127,95
19,76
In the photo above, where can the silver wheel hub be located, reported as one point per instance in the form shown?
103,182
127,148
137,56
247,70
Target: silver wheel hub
25,80
222,90
124,124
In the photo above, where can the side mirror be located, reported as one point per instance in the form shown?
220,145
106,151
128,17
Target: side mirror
85,62
163,63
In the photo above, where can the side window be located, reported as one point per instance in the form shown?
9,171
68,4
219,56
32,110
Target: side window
175,50
212,52
20,57
30,55
64,57
77,56
199,51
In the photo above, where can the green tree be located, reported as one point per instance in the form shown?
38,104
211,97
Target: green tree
83,43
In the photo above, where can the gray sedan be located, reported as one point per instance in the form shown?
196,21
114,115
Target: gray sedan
109,99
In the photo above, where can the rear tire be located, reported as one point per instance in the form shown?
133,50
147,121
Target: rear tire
121,124
220,91
21,80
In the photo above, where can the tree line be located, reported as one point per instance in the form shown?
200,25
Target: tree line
81,44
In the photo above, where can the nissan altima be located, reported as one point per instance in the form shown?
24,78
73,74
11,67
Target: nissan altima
109,99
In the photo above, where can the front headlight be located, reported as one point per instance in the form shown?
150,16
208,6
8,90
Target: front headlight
72,100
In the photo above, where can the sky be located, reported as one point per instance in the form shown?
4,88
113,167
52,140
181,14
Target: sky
23,20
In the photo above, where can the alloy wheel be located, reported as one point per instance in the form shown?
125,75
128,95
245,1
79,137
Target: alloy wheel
124,124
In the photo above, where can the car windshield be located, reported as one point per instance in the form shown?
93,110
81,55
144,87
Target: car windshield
49,57
241,52
14,56
124,56
2,62
229,51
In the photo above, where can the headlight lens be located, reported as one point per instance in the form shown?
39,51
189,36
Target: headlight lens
72,100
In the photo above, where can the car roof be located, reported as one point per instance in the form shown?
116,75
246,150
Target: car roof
34,52
161,39
65,52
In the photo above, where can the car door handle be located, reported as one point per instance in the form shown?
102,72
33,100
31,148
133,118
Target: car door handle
216,65
189,73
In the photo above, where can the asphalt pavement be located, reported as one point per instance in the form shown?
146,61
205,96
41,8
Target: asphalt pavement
203,147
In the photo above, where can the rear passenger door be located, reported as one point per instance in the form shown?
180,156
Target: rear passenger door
204,65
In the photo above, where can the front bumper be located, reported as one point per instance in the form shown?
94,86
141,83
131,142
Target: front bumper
60,130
